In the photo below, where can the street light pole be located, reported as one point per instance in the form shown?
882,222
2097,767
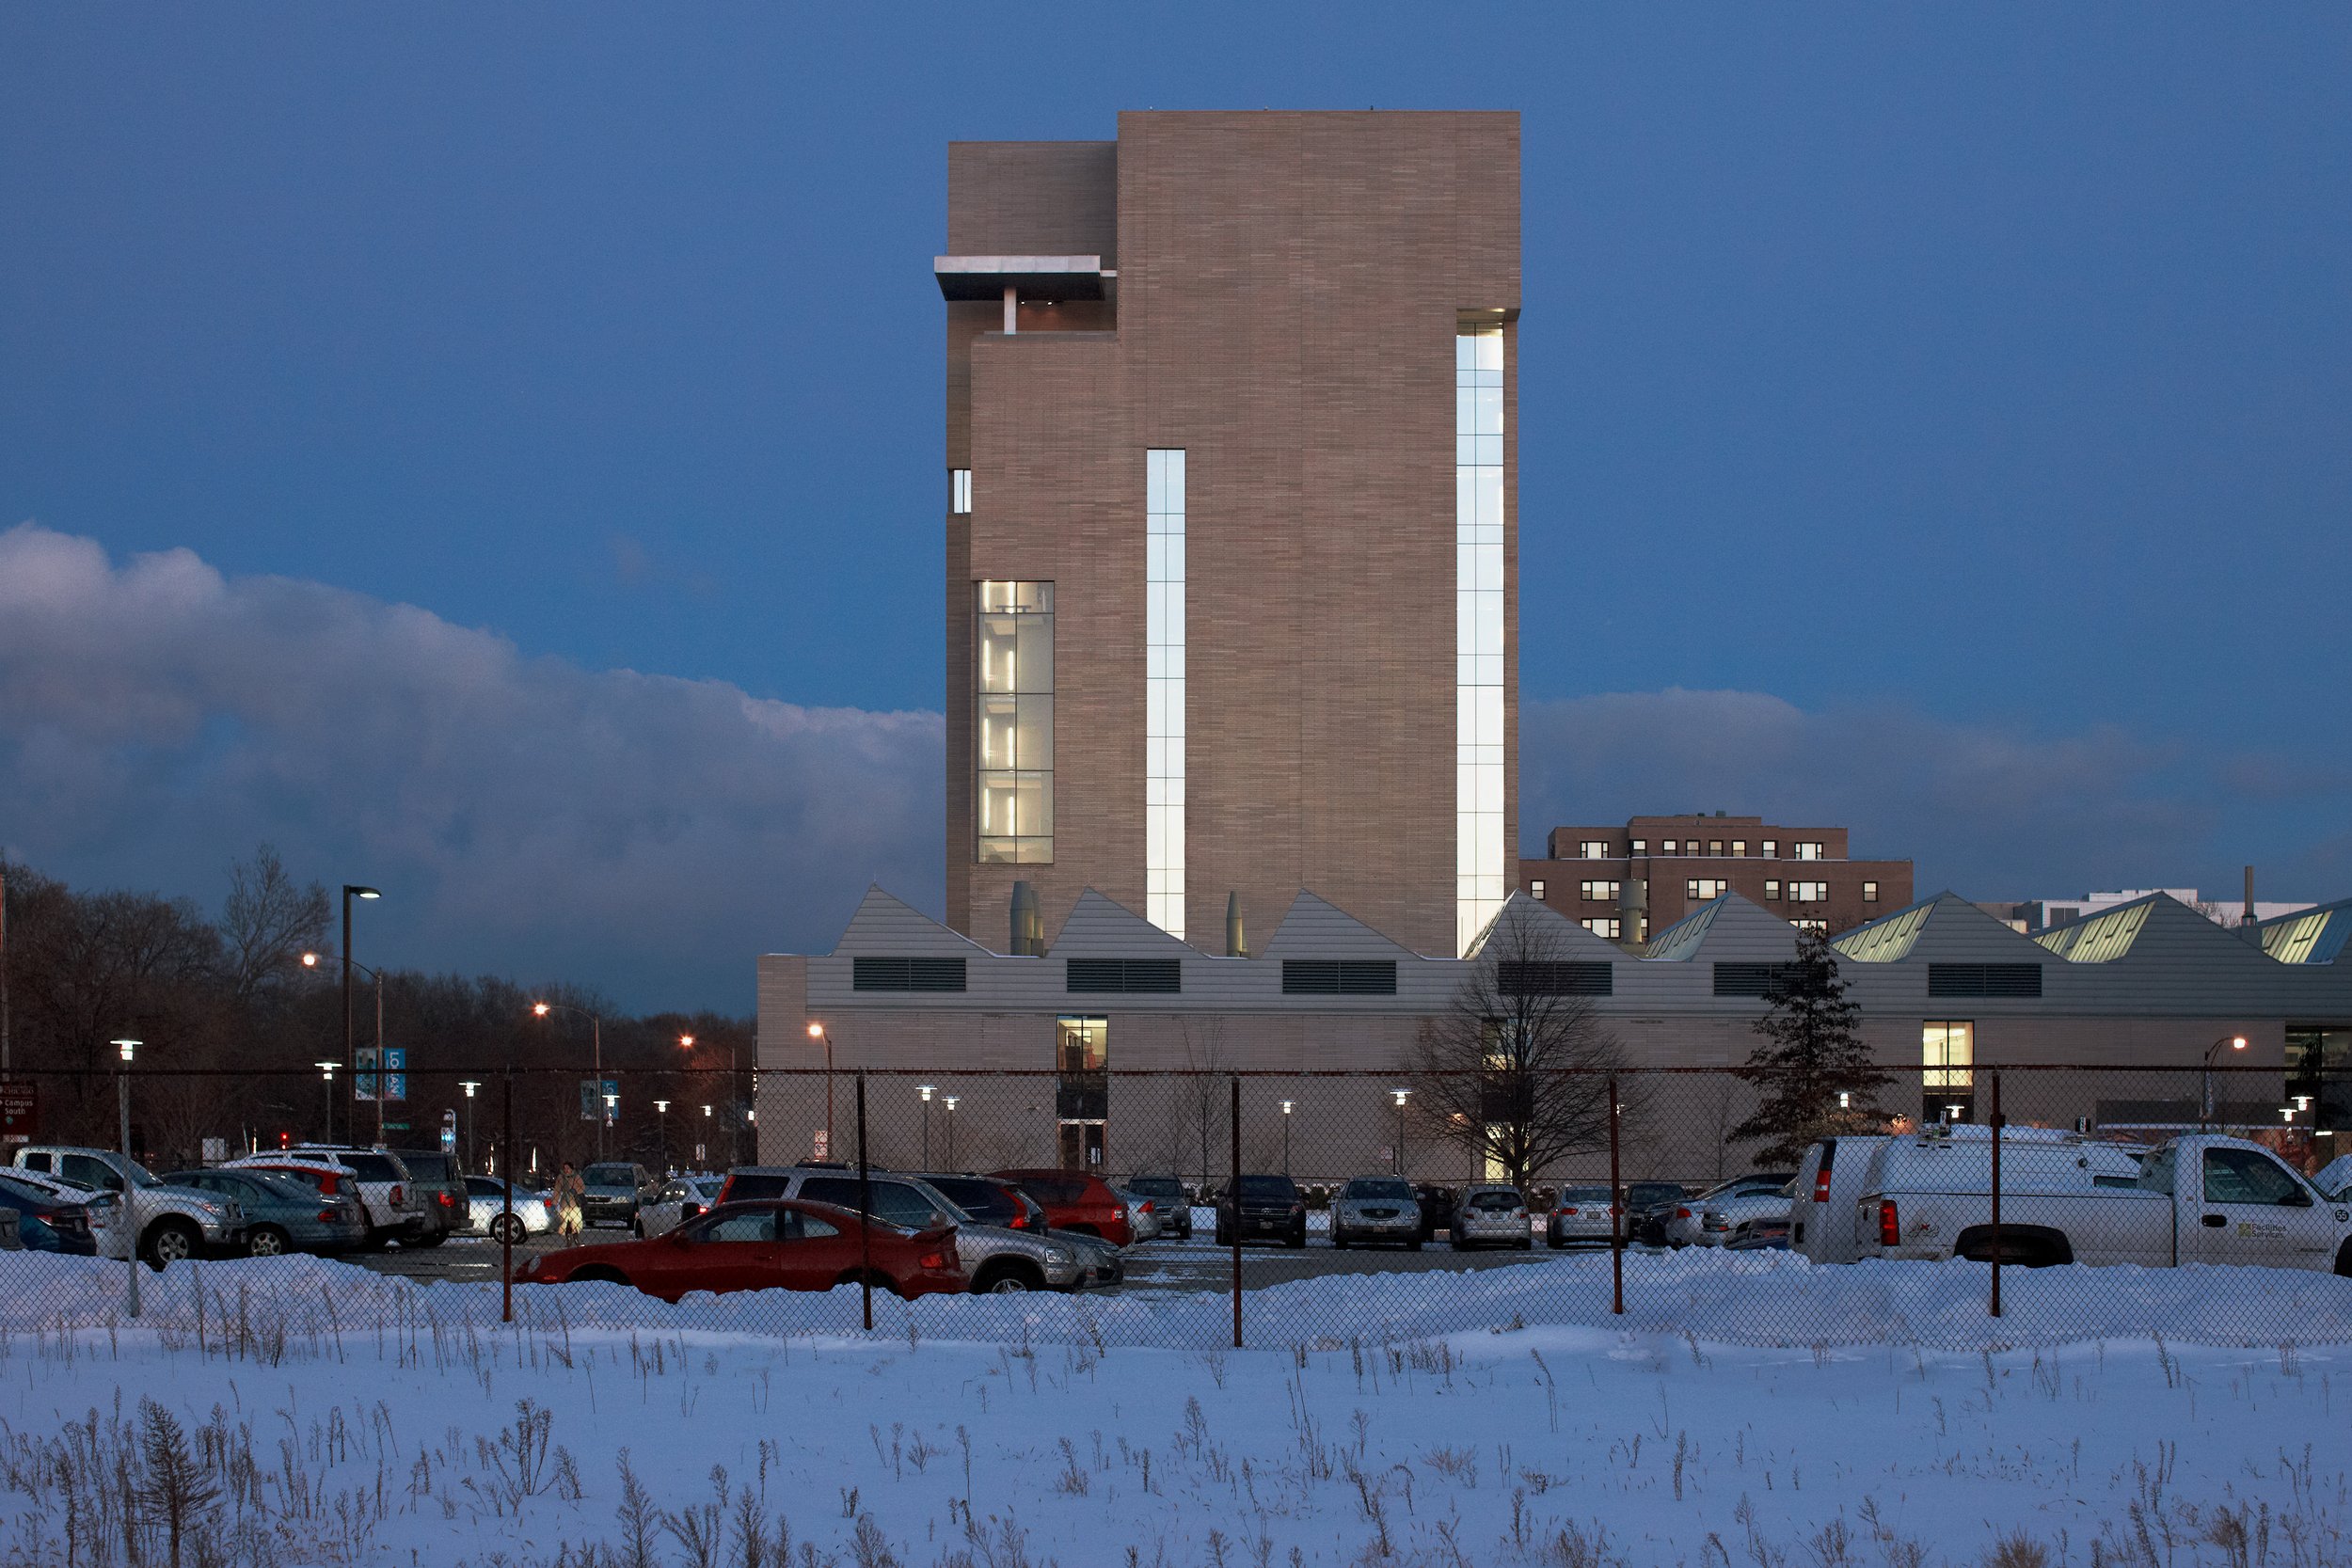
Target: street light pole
816,1032
469,1084
661,1116
951,1131
604,1105
351,1059
926,1091
1286,1135
123,1216
326,1071
2235,1042
1399,1151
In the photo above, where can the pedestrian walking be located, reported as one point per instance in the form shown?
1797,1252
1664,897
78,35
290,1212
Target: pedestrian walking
570,1194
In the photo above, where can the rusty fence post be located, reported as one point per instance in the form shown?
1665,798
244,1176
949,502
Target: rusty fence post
1996,1193
506,1186
1616,1207
866,1210
1233,1196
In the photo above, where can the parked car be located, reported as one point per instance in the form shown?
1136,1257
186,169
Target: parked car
2066,1198
1261,1206
1143,1218
1829,1184
1492,1215
282,1216
1580,1217
989,1201
1767,1234
1437,1209
1377,1209
615,1191
51,1216
1730,1207
162,1223
435,1180
394,1211
486,1212
995,1258
1169,1196
677,1200
1072,1200
1649,1205
768,1245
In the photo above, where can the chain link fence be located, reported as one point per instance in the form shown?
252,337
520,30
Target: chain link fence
1950,1206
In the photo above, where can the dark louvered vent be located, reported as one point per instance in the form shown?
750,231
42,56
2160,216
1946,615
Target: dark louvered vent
1747,979
1554,977
906,974
1339,976
1155,976
1985,979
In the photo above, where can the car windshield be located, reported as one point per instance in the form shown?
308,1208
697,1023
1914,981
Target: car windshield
1654,1192
1584,1194
1377,1186
1494,1198
426,1168
1269,1186
608,1176
1156,1186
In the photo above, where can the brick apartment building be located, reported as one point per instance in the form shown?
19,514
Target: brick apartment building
1625,882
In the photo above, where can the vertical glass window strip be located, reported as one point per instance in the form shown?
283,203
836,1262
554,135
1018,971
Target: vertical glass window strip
1012,723
959,491
1164,689
1480,864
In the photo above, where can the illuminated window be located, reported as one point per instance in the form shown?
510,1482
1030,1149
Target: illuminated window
1714,846
1771,849
1598,890
1870,893
1704,889
1012,723
1602,925
1164,689
1809,851
1480,853
1739,847
1641,846
959,491
1804,925
1808,893
1947,1056
1535,889
1772,890
1593,850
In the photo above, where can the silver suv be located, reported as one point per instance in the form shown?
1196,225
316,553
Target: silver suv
998,1261
166,1223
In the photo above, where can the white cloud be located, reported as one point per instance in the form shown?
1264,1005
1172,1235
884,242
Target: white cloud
525,815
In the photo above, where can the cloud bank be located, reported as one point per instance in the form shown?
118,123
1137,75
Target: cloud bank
524,815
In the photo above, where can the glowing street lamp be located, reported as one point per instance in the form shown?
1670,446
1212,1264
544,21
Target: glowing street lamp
595,1046
123,1218
469,1084
2230,1042
1397,1160
1286,1135
816,1032
926,1090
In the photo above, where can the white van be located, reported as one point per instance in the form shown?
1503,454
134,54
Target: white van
1829,1184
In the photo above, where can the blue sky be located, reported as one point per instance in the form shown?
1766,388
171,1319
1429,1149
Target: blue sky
1962,394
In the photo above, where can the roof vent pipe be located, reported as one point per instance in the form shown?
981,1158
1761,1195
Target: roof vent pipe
1028,923
1632,912
1234,946
2246,927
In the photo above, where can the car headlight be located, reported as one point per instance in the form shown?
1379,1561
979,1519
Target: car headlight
1056,1255
215,1209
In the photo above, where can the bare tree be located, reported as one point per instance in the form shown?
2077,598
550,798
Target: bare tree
1203,1101
268,924
1516,1071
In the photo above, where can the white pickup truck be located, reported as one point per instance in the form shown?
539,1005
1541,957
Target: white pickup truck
167,1223
2065,1199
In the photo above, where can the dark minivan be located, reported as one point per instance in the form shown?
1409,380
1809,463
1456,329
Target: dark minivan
435,1180
1267,1206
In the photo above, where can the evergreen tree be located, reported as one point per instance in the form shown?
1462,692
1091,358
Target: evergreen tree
1811,1053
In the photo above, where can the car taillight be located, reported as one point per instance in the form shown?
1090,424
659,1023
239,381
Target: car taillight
1147,1206
933,1260
1821,1177
1682,1214
447,1202
328,1216
1569,1210
396,1197
1019,1222
726,1189
1890,1227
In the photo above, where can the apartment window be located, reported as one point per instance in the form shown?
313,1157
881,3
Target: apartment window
1806,924
906,973
1714,846
1740,849
1807,851
1641,846
1947,1057
959,491
1164,689
1771,849
1808,893
1535,889
1772,890
1480,855
1703,889
1602,925
1012,674
1593,850
1598,892
1870,893
1667,847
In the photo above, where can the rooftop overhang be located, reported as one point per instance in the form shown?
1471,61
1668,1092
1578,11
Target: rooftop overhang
1035,276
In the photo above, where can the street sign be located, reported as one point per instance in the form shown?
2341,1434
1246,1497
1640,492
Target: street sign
594,1102
449,1131
396,1081
215,1150
20,1110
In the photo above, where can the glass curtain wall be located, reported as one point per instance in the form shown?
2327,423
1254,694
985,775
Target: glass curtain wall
1479,866
1947,1050
1164,689
1014,723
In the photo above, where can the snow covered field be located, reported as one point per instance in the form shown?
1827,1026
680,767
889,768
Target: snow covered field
340,1417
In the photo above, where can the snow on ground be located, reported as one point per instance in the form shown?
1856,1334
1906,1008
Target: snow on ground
343,1418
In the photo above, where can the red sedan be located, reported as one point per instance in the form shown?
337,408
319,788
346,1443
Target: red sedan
773,1246
1074,1201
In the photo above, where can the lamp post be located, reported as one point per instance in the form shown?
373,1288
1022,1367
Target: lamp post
124,1215
469,1084
1286,1135
1398,1152
595,1047
951,1131
310,961
326,1071
735,1100
351,1132
816,1032
706,1143
661,1116
927,1090
2232,1042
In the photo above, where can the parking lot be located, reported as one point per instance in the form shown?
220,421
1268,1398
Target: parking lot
1160,1267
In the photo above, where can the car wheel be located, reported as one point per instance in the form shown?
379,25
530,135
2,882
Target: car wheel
1526,1243
2343,1262
1412,1246
1339,1242
374,1240
1297,1239
1007,1280
1460,1244
169,1242
435,1239
507,1229
268,1242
